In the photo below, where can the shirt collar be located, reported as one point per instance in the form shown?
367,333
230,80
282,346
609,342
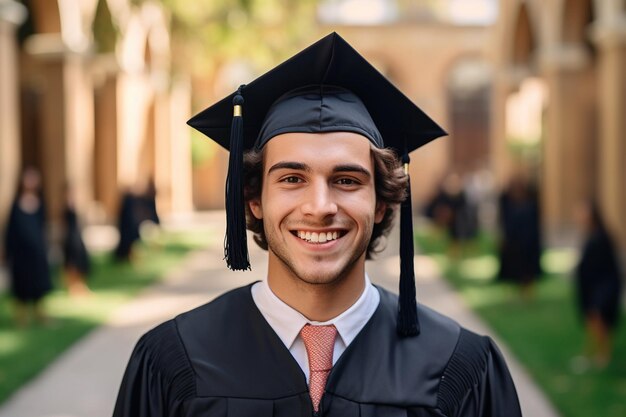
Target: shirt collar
287,322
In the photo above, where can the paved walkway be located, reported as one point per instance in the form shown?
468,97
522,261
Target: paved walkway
83,382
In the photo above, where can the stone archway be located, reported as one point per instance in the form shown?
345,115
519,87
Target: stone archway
524,42
577,14
468,104
522,149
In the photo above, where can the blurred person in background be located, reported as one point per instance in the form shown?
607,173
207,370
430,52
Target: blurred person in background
128,225
26,249
520,238
137,218
76,257
482,197
598,284
451,210
147,204
148,215
437,210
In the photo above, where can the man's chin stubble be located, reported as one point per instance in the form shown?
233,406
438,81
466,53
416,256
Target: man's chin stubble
330,280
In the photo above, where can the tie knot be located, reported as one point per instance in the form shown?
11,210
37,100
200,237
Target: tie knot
319,342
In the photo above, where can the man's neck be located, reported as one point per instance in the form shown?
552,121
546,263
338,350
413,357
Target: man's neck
317,302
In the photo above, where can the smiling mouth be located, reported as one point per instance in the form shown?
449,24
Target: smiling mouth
318,237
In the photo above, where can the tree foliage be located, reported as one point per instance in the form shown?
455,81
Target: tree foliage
104,31
206,34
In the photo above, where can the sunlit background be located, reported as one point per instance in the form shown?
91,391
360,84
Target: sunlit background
96,93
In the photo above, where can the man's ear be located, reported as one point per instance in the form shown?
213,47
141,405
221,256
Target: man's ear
380,211
256,208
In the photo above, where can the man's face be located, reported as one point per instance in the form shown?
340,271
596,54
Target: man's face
318,205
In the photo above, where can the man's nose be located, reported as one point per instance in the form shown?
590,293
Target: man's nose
319,200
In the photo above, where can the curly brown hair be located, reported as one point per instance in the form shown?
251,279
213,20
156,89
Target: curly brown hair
390,183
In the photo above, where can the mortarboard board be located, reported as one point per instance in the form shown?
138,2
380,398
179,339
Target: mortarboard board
326,87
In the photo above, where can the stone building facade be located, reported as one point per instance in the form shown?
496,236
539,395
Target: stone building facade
100,119
577,50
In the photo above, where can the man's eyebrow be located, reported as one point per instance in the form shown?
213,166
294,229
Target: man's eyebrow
352,168
299,166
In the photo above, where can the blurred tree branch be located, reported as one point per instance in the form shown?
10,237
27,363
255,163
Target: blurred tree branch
206,34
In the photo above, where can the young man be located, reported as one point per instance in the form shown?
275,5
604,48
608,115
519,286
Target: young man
320,188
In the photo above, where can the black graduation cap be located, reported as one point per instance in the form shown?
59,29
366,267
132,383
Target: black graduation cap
326,87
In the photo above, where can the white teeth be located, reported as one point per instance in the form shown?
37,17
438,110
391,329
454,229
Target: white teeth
317,237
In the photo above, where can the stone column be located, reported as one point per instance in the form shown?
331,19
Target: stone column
610,37
49,67
500,157
12,14
133,106
79,127
569,157
66,121
172,153
106,126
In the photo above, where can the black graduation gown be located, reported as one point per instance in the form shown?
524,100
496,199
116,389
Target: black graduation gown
520,248
223,359
128,225
26,253
598,279
74,249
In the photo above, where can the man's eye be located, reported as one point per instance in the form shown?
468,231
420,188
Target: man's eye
346,181
291,180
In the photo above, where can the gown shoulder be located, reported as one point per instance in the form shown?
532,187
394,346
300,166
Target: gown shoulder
158,377
447,368
476,380
215,359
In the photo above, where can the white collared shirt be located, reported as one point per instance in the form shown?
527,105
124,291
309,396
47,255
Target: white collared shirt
287,322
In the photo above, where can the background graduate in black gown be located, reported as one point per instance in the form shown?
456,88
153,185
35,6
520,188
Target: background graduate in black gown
320,188
147,204
598,284
128,221
75,256
148,214
451,209
137,210
27,249
520,239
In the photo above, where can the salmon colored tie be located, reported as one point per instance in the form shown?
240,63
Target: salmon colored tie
319,342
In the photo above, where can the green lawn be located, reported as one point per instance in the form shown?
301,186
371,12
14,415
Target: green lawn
545,332
25,352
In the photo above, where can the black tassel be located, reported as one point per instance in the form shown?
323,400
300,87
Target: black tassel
408,323
235,245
